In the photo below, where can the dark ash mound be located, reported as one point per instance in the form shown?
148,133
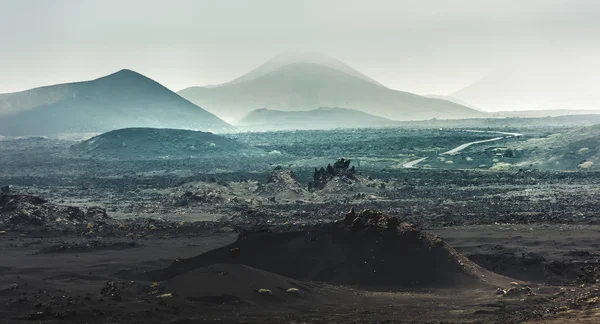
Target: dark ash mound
369,249
153,143
236,283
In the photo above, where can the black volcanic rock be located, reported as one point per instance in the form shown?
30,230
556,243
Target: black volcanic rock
123,99
340,169
25,211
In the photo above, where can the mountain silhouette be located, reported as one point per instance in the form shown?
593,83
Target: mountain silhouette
307,85
320,118
294,56
534,86
119,100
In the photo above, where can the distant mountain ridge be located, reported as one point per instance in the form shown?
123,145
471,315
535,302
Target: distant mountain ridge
306,85
320,118
452,99
122,99
534,85
292,57
545,113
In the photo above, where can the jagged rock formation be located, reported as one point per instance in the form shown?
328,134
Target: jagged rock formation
340,169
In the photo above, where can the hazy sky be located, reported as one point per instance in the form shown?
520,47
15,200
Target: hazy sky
420,46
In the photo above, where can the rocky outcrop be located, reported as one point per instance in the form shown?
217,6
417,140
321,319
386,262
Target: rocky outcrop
282,184
23,211
340,169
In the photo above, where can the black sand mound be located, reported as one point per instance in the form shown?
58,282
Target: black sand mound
369,249
152,143
234,283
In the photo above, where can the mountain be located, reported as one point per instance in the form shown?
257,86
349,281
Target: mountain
534,86
451,99
579,103
291,57
545,113
161,143
306,85
321,118
123,99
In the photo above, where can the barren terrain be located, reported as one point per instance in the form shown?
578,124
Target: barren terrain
270,238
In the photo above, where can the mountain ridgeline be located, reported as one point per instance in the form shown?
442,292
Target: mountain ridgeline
320,118
123,99
308,84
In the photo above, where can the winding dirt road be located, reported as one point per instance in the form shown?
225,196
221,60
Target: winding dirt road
458,149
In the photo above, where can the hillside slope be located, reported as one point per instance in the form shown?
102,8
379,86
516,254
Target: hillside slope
321,118
122,99
153,143
304,86
574,150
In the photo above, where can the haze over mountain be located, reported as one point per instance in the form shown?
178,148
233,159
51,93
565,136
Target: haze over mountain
535,86
123,99
583,102
320,118
294,56
306,84
545,113
452,99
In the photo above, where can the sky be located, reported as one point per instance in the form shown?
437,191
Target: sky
421,46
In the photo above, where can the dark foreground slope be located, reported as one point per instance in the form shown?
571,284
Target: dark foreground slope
369,249
304,86
64,264
152,143
321,118
122,99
